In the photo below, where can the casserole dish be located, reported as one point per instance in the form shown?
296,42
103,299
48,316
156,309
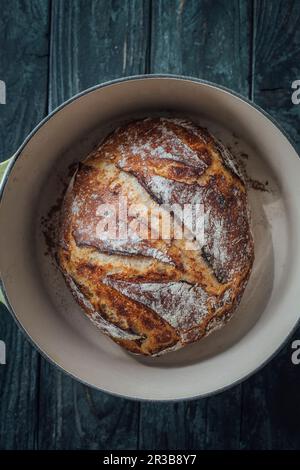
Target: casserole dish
38,298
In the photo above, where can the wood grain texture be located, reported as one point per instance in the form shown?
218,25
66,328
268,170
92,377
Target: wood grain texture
276,50
271,412
91,42
204,39
73,416
94,41
210,41
173,426
23,66
18,388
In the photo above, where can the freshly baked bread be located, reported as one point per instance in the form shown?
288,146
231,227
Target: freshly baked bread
154,295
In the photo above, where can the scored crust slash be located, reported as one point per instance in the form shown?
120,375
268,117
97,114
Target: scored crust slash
154,295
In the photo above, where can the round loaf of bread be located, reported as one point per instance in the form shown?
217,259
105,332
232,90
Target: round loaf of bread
155,294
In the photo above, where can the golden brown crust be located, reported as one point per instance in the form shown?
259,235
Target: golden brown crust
155,295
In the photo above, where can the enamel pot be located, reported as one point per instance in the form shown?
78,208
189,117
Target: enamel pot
34,290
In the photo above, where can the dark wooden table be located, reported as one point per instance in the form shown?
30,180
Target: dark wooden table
50,50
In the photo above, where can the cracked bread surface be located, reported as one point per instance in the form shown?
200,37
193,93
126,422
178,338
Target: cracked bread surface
155,295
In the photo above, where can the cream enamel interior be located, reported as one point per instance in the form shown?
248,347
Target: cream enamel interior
42,303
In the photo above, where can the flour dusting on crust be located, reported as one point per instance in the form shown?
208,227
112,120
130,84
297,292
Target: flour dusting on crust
154,295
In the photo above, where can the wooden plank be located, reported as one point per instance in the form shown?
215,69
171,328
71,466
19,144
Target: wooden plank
23,67
90,42
18,388
73,416
172,426
95,41
276,61
208,40
271,411
211,41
